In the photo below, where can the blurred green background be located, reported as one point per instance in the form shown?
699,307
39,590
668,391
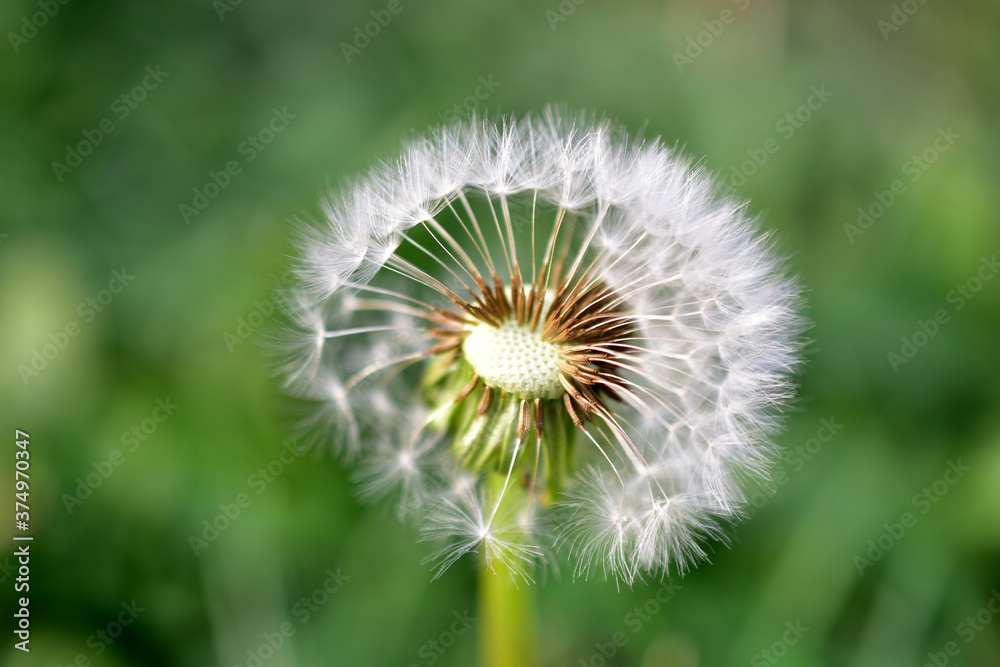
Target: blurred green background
830,549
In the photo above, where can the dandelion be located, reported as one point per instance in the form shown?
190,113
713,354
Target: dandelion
545,336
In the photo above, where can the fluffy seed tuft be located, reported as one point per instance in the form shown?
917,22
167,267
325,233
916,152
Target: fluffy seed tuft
541,333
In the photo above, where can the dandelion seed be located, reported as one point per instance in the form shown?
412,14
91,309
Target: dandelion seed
541,332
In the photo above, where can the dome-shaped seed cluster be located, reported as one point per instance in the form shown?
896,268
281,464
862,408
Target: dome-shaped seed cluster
514,359
663,334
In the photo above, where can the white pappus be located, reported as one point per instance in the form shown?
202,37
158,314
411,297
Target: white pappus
546,336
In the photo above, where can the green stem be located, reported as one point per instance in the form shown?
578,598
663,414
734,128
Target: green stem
506,620
507,636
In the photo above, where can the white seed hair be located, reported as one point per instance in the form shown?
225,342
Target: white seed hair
714,343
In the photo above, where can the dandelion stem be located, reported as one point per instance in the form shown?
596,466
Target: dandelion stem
506,608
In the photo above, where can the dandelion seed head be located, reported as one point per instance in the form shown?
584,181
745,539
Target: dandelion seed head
543,333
